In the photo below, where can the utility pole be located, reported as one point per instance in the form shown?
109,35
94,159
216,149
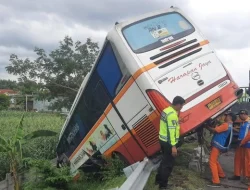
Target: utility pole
26,102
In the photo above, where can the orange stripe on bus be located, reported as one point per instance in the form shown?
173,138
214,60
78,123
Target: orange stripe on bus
204,42
119,96
111,149
88,135
126,137
124,89
143,69
107,110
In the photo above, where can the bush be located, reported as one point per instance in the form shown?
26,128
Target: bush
113,167
4,166
4,102
40,148
42,174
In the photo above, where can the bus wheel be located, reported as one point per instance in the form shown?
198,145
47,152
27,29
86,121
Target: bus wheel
120,157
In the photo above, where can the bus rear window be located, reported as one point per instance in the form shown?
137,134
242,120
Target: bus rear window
156,31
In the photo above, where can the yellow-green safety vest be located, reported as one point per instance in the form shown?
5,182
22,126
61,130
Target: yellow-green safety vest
169,126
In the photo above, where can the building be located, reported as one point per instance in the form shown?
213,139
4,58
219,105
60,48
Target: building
43,105
11,93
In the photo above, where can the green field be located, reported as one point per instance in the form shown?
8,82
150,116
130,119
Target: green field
37,148
44,148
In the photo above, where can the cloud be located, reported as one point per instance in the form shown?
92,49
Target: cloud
237,62
225,23
26,24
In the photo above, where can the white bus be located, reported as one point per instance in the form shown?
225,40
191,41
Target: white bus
144,63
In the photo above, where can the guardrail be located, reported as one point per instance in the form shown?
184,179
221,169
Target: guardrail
139,177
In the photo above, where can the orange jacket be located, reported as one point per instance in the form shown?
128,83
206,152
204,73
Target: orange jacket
246,139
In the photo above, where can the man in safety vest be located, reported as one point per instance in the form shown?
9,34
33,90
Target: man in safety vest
220,143
169,136
242,153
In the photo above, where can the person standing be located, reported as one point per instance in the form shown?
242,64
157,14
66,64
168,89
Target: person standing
242,153
244,142
220,143
169,136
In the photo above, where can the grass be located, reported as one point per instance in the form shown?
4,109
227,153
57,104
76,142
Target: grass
182,178
32,121
96,185
42,148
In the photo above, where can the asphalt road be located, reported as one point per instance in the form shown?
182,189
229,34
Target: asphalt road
227,163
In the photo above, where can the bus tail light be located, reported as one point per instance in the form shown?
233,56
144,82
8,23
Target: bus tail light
159,101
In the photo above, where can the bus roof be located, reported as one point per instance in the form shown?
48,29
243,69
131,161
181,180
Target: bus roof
146,15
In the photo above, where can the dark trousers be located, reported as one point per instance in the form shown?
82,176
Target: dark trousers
166,165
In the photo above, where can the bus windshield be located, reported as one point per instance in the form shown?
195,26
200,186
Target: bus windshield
156,31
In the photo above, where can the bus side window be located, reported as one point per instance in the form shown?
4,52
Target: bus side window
93,101
91,106
125,72
112,70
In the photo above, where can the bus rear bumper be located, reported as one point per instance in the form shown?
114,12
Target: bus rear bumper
224,109
195,117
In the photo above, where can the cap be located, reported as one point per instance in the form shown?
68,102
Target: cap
233,116
243,112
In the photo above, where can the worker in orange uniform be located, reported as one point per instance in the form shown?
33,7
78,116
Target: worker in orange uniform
220,143
245,143
242,152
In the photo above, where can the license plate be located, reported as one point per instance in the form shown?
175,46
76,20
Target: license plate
214,103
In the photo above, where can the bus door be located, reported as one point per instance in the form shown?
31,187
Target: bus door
128,116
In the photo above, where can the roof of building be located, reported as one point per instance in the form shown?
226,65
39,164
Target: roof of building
7,91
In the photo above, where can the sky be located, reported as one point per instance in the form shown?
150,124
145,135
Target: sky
26,24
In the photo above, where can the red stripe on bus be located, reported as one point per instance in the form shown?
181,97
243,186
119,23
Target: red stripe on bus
173,45
206,89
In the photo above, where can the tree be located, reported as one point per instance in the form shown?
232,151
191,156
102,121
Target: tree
59,74
13,148
4,102
24,86
8,84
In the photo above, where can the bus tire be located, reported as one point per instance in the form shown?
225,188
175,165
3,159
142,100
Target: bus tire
121,157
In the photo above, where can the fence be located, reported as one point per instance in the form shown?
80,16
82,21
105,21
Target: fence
7,184
245,97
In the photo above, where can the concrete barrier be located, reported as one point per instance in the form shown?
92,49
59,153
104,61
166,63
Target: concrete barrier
7,184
